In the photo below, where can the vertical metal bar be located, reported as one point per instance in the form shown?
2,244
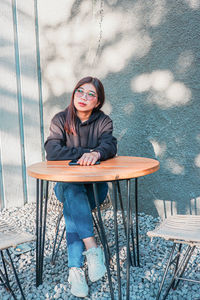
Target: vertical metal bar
165,273
123,215
40,231
127,242
121,206
55,240
37,232
133,263
58,247
94,217
2,198
96,197
96,223
39,77
19,99
17,279
116,238
44,227
136,221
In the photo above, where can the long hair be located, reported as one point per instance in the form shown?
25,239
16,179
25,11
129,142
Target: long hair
71,112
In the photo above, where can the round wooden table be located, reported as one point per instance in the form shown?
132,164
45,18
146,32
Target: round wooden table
112,170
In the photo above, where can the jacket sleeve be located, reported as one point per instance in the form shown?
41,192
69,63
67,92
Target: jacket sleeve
55,145
107,143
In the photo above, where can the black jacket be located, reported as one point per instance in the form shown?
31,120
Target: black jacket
95,133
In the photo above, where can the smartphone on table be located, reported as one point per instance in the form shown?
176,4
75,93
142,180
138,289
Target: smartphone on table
73,162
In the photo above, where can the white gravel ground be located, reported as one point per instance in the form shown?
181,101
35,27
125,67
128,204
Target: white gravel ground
144,280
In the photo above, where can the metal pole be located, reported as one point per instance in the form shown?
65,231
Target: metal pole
116,238
127,242
136,221
121,206
96,224
133,262
96,197
55,241
40,231
58,247
124,222
44,228
37,232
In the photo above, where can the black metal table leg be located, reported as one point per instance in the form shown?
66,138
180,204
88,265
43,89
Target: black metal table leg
116,238
37,232
40,229
136,222
44,227
95,220
132,262
127,242
121,206
58,247
96,197
56,237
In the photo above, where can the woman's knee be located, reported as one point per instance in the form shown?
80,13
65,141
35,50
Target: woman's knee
102,189
74,188
74,193
59,190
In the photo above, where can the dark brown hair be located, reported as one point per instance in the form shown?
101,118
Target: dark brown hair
71,112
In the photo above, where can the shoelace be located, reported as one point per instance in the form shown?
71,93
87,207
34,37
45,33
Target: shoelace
92,258
79,275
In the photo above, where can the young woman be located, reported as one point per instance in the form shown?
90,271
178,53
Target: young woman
82,131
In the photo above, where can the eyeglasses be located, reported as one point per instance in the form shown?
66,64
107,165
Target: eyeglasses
89,96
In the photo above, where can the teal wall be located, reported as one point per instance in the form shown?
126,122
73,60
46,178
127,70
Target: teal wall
147,55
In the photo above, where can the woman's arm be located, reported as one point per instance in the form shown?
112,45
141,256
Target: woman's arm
107,143
55,144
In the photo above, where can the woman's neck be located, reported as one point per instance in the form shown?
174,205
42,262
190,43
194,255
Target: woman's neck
83,115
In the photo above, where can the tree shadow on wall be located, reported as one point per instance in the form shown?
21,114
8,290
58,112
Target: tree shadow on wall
147,57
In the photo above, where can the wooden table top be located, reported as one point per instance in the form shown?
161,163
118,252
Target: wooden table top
117,168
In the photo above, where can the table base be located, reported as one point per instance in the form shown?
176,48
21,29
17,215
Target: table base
128,228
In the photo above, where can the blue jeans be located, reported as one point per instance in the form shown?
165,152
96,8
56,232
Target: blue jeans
78,201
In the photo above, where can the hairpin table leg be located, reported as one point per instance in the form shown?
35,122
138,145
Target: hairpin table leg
116,238
103,239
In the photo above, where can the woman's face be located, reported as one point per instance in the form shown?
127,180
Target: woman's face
86,98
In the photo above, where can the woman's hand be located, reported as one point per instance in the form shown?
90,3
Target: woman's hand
88,159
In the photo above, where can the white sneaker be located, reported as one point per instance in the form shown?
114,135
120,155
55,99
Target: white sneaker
95,259
79,287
